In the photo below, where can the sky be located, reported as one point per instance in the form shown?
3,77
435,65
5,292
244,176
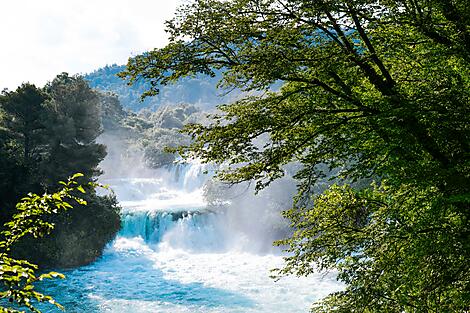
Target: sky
42,38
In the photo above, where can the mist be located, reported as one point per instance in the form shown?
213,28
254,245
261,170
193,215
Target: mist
208,215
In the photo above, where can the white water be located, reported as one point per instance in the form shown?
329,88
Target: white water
173,255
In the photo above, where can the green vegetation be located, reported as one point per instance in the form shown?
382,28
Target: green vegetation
47,134
19,276
371,92
145,134
199,90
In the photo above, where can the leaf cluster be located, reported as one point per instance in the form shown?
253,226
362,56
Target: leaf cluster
18,277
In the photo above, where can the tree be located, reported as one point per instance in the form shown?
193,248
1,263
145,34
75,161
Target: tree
19,276
74,124
22,141
375,90
46,134
24,116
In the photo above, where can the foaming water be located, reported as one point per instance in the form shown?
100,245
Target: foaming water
174,255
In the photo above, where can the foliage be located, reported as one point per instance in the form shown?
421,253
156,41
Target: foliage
199,90
47,134
26,120
19,276
148,133
397,250
111,111
165,132
73,125
371,90
80,236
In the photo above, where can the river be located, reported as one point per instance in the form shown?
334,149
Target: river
174,255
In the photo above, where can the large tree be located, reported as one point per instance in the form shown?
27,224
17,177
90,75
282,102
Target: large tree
23,140
73,126
45,135
377,91
24,117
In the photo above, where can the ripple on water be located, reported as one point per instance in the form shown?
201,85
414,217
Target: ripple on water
171,280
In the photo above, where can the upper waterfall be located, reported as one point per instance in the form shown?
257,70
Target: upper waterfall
174,188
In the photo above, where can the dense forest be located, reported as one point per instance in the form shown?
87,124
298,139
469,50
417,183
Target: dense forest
48,134
143,136
199,90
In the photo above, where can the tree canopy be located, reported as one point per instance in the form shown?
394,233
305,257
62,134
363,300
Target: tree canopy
47,134
199,90
377,91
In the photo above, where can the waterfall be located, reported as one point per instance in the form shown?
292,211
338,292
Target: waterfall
173,254
191,230
170,208
150,226
178,187
189,176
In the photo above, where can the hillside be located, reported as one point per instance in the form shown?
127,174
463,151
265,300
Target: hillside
199,90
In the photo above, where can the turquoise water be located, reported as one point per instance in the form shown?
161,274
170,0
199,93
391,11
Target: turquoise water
172,255
132,277
127,281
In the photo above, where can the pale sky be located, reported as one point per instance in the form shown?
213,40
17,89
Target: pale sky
42,38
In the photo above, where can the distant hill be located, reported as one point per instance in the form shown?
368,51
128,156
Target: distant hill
200,91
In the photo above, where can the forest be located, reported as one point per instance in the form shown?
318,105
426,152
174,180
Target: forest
376,91
362,108
47,135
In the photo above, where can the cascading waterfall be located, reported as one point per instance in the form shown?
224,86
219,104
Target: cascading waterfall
171,205
192,230
174,255
149,225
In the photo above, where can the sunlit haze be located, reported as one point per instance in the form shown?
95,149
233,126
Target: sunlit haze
43,38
